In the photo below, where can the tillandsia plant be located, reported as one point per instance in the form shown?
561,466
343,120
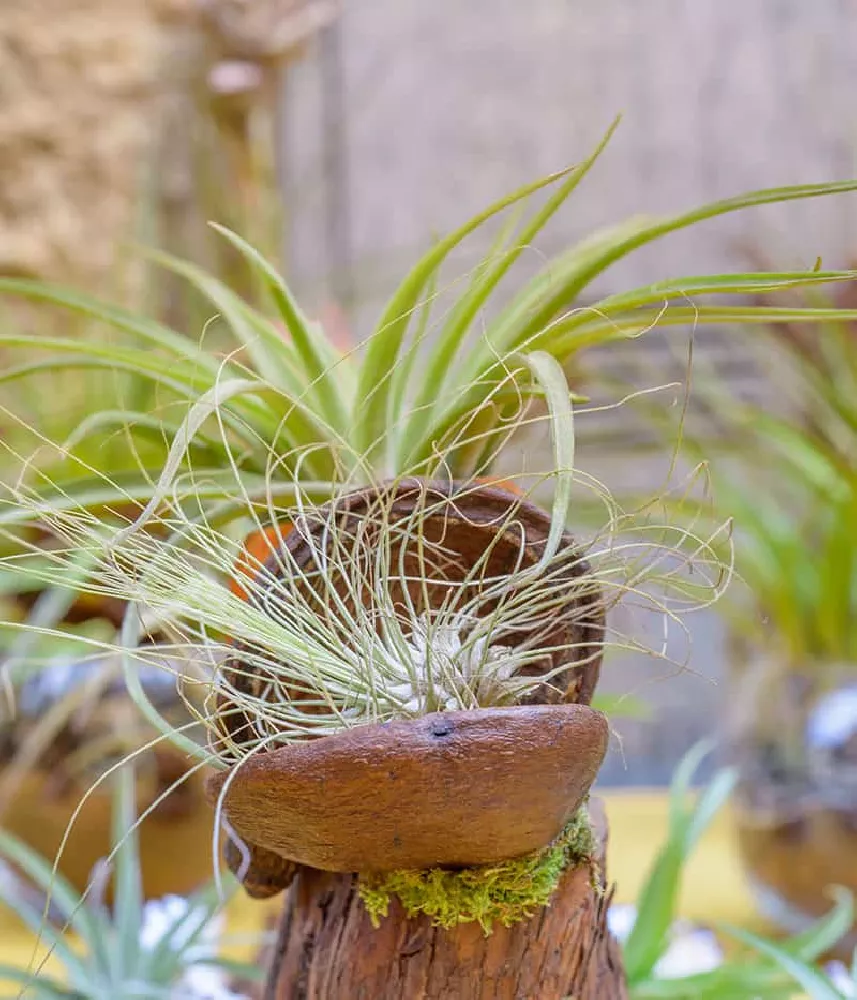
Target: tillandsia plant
165,949
396,667
425,396
65,714
66,717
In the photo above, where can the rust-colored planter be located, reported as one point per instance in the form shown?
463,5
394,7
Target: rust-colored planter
288,802
448,790
485,525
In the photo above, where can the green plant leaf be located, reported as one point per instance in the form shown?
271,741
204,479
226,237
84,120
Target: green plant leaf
157,428
599,253
150,332
206,406
816,985
741,283
565,337
316,353
826,932
272,355
549,374
207,485
656,904
128,885
37,985
458,324
64,897
143,364
374,386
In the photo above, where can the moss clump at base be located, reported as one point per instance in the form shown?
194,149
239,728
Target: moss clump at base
507,892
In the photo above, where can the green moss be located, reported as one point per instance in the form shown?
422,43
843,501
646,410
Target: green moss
507,892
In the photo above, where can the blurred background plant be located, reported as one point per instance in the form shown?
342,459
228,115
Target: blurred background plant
784,470
123,947
668,958
792,722
182,105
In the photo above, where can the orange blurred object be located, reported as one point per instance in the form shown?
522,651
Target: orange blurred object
501,484
258,545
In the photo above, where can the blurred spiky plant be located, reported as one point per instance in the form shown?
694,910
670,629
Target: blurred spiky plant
165,948
762,968
782,466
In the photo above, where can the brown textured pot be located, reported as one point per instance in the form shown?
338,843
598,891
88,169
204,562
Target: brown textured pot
793,738
469,523
281,811
457,788
263,544
452,789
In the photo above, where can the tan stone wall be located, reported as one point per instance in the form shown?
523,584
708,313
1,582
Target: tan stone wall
138,120
77,84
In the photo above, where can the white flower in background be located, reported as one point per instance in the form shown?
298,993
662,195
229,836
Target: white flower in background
691,949
620,920
841,979
833,722
204,982
199,982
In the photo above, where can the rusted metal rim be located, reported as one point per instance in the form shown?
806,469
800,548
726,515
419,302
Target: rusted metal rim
449,789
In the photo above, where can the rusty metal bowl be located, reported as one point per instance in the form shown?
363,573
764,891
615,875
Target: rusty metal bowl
449,789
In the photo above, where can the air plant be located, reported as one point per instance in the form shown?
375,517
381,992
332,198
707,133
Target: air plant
784,470
285,419
273,434
166,949
282,415
324,628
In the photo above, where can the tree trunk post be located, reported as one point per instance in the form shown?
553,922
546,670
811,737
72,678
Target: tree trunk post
327,948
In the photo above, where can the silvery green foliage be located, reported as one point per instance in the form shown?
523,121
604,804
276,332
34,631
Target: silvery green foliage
163,950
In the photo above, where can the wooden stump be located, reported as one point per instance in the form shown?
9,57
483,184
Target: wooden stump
327,948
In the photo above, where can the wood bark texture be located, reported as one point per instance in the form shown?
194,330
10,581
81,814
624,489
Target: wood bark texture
329,950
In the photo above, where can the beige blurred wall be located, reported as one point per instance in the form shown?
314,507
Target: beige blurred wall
451,104
77,86
446,105
115,127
